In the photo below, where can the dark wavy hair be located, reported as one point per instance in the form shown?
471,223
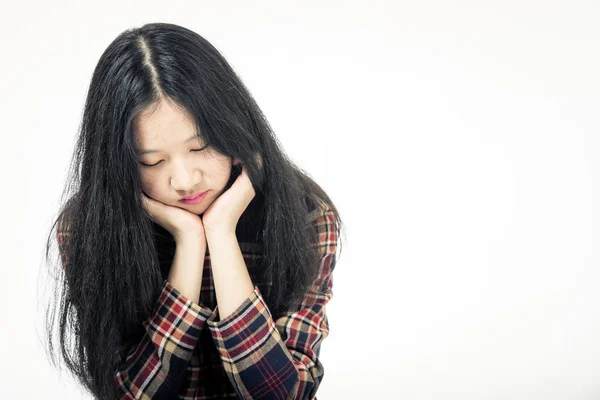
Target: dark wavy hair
109,277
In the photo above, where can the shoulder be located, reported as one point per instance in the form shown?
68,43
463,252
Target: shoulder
321,215
63,231
319,209
323,220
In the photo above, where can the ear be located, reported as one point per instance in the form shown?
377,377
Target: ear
236,161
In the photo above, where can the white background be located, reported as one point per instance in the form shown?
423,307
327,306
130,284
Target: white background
459,140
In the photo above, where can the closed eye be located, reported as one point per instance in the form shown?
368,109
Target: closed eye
201,148
152,165
192,150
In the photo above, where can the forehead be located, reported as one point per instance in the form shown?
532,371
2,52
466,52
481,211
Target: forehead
163,122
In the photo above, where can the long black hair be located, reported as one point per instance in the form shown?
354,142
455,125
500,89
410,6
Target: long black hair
109,276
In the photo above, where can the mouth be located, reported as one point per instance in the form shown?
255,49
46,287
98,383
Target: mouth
193,198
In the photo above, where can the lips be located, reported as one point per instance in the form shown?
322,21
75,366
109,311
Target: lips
192,196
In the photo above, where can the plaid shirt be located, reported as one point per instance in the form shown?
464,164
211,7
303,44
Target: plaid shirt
186,353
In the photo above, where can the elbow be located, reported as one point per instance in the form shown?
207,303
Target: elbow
308,381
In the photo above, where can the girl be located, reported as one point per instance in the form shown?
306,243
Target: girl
196,257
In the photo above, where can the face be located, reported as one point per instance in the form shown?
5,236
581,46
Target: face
173,162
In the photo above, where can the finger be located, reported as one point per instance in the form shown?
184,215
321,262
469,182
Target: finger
149,206
145,200
244,175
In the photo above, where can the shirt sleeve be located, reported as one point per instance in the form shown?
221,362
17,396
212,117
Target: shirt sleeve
267,359
62,237
156,366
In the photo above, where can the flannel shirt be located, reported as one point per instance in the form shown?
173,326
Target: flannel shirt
186,353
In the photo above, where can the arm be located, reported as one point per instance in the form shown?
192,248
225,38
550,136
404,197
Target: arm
233,284
268,359
155,366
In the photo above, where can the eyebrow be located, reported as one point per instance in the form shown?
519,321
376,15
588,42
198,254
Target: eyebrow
154,151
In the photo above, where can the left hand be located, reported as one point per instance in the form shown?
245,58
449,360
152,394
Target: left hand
222,216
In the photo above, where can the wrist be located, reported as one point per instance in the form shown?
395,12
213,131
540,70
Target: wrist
219,236
188,238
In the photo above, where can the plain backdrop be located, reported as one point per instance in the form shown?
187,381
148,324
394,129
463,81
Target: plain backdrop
459,140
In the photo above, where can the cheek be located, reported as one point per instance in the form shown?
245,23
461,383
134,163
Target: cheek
148,183
224,167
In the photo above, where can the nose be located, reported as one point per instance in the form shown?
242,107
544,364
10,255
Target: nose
182,177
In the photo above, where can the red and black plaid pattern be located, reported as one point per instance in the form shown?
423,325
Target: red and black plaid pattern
247,355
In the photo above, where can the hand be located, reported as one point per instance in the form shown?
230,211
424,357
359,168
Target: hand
177,221
222,215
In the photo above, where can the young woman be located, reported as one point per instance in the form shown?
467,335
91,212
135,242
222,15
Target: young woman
196,258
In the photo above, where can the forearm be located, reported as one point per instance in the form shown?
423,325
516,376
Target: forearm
231,278
188,262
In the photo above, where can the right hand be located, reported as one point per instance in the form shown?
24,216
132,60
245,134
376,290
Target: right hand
177,221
